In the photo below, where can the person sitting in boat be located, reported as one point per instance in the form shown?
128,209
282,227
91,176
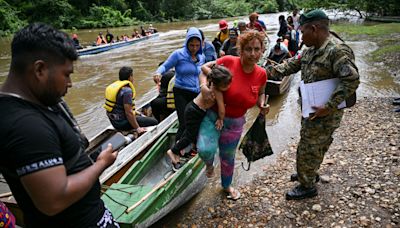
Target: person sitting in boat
100,39
109,37
136,34
120,104
143,32
277,54
219,79
242,27
222,35
254,24
229,46
76,41
290,43
164,104
283,27
208,48
151,29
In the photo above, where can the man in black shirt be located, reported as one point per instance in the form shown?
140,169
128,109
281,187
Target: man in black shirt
41,148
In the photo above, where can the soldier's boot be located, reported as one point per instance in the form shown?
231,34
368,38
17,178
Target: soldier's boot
300,192
295,177
396,102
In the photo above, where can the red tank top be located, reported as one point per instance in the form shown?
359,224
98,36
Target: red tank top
243,93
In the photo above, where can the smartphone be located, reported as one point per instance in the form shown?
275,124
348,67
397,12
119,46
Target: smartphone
118,140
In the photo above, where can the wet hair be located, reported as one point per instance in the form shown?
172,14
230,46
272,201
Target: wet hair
125,72
244,39
39,41
219,76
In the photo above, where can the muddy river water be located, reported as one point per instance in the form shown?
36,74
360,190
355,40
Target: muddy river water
93,73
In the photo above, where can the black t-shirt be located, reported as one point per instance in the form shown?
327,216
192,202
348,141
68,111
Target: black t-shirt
34,138
109,37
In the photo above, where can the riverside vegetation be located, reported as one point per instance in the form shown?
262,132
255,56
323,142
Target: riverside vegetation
69,14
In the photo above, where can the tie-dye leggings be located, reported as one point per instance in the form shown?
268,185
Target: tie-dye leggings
210,139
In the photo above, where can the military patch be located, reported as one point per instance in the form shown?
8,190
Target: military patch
344,70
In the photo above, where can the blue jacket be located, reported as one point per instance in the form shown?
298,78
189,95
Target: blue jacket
186,70
209,51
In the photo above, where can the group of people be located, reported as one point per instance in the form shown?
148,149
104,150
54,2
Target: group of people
42,148
109,37
225,41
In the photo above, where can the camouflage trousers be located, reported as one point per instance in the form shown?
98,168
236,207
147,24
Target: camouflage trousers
316,137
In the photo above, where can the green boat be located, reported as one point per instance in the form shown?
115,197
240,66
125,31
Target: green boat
150,189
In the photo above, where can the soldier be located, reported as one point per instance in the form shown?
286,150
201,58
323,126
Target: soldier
327,57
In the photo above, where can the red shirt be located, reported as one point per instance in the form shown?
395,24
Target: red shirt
243,92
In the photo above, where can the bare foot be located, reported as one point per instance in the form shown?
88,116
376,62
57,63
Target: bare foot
233,194
210,171
174,158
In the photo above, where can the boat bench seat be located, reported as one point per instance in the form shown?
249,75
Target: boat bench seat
172,130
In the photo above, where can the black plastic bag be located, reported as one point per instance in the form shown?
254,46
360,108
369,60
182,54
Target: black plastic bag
255,144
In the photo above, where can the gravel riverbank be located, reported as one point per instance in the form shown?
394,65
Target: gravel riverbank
360,181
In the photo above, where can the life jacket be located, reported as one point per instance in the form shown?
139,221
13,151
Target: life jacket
170,94
112,93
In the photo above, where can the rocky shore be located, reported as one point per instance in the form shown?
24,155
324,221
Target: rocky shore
360,181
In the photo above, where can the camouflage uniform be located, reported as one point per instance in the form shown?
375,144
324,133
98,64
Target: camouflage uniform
333,59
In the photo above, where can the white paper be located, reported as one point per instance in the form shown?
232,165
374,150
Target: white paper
317,94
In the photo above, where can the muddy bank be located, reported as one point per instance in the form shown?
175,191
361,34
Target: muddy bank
360,187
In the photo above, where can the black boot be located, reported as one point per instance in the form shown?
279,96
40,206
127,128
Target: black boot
295,177
300,192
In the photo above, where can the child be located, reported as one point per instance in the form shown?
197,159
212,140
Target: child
219,80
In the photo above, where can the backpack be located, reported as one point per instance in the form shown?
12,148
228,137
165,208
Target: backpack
217,43
255,144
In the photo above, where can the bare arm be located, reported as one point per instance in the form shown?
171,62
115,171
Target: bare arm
52,191
220,103
131,116
261,100
206,92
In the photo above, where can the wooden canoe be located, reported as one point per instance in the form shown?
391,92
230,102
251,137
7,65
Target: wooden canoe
150,189
106,47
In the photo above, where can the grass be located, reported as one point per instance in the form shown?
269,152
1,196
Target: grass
370,30
381,52
386,35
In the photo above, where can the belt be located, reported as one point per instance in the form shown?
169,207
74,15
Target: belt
115,116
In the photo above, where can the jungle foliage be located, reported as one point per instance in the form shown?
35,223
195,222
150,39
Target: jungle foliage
69,14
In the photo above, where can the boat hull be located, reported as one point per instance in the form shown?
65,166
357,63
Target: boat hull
106,47
143,180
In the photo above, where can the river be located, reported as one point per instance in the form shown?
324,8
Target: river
93,73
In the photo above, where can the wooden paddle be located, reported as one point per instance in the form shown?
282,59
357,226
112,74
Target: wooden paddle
160,185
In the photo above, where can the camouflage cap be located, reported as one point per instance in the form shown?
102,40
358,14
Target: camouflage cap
313,15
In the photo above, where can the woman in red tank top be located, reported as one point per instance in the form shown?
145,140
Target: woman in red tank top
247,89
